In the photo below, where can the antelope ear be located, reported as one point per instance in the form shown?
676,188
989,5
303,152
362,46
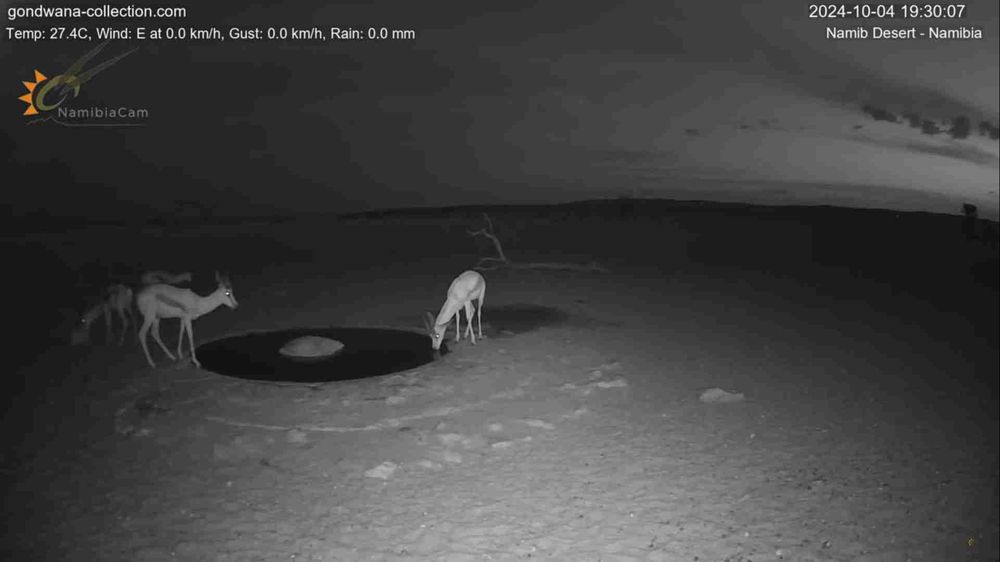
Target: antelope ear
429,322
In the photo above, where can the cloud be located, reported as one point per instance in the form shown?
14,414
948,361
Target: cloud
960,151
489,101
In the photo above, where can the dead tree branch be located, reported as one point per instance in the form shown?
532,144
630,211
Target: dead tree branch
492,263
488,233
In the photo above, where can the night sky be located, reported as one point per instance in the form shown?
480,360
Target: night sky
487,103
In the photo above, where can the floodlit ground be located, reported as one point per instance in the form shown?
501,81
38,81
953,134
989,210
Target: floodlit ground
864,348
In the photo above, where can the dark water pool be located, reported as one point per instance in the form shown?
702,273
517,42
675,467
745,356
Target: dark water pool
367,352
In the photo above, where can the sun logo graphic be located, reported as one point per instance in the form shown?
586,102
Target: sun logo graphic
47,97
29,97
37,97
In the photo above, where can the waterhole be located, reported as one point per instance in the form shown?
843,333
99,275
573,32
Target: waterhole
366,352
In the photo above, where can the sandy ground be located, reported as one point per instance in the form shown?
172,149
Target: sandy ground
868,430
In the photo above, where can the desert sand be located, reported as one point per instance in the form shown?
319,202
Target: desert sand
864,344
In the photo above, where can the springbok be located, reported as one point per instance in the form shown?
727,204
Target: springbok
467,287
164,277
160,301
117,299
